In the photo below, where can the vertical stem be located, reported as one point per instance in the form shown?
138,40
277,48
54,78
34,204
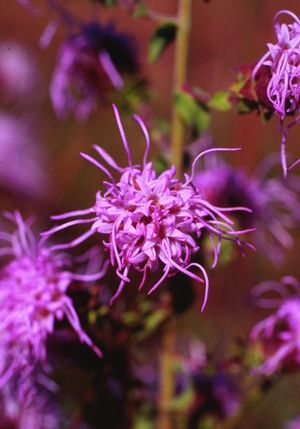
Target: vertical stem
166,376
177,137
180,75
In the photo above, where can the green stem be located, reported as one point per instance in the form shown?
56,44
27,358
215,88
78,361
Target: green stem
180,77
166,376
177,135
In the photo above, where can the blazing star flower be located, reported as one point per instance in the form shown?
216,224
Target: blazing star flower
282,60
216,395
274,203
19,78
148,221
90,63
293,424
278,336
41,413
33,295
21,159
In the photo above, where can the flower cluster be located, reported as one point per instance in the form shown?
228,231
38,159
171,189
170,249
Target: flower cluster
42,412
19,77
273,201
22,160
293,424
33,286
215,395
89,64
278,336
201,389
148,220
282,60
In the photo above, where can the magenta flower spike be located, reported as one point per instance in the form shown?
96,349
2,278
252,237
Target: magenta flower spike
19,77
22,159
293,424
89,64
274,202
33,295
283,89
279,334
150,222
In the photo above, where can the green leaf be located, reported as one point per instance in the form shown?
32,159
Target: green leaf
207,422
155,319
160,164
140,11
162,37
220,101
193,113
108,3
143,423
183,401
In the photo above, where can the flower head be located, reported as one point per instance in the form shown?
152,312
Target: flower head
293,424
21,159
278,336
33,295
150,222
90,63
273,202
216,395
42,412
282,60
18,73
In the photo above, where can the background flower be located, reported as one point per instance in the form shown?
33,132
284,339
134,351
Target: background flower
19,75
22,160
33,291
89,64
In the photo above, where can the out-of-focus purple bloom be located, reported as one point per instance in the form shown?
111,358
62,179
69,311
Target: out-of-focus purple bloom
33,295
216,395
22,163
89,64
19,77
40,413
28,4
274,204
282,59
293,424
148,221
278,336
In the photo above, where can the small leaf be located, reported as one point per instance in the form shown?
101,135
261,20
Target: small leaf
140,11
220,101
183,401
143,423
193,113
162,37
155,320
160,164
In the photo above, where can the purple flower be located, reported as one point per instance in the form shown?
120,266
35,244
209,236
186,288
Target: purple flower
293,424
150,222
89,64
19,77
22,162
273,202
216,395
278,336
33,295
41,413
282,60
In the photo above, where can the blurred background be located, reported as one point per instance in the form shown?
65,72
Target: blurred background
42,173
